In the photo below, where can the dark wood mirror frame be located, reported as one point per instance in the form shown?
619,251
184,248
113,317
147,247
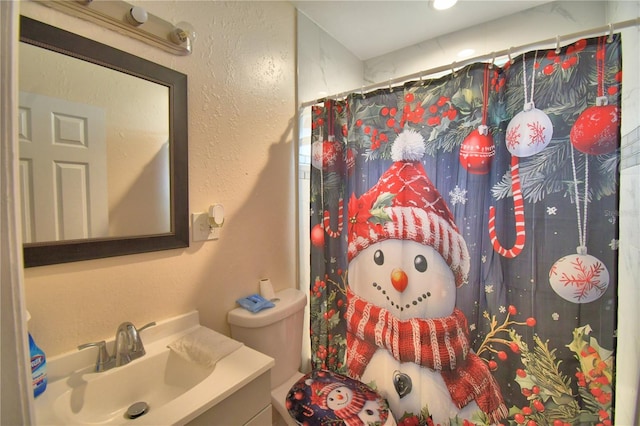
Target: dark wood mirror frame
55,39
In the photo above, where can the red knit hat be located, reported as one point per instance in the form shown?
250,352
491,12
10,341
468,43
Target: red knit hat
405,205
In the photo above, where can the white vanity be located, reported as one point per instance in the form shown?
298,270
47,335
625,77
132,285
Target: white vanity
236,391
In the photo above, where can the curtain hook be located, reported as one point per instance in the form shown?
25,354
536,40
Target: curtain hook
493,60
453,69
509,55
610,38
390,88
362,92
557,44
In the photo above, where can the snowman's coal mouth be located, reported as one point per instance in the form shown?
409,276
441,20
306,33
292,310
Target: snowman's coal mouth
415,302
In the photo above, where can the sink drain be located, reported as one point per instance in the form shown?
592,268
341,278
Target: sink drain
136,410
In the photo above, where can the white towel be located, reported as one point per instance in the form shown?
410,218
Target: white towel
204,346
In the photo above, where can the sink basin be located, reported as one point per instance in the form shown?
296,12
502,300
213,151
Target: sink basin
103,398
175,390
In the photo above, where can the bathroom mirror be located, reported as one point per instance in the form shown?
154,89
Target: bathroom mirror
103,150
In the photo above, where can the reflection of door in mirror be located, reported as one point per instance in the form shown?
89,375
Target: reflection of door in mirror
136,153
62,169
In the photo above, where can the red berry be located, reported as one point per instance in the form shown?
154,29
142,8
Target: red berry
566,65
548,70
612,90
521,373
408,97
519,418
299,395
514,347
502,355
535,389
618,76
538,405
531,322
493,365
512,310
532,423
558,423
527,411
526,392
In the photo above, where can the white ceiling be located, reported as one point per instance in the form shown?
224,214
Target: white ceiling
373,28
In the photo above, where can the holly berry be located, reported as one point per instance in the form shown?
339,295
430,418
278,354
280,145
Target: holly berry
493,365
317,236
514,347
531,322
512,310
526,392
521,373
532,423
527,411
538,405
502,355
558,423
519,418
535,389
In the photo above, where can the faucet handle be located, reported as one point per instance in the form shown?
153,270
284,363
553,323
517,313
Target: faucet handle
151,324
104,360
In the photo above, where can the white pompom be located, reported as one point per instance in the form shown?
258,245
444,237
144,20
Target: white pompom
408,146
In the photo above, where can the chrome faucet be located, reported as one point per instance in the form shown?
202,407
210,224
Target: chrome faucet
127,347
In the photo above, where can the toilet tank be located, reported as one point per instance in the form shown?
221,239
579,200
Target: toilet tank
276,332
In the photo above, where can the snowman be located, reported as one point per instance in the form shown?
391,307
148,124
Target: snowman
405,335
354,406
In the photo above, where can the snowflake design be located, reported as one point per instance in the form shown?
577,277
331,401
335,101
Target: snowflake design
458,195
552,211
484,258
611,215
472,327
586,279
555,316
502,309
536,137
488,288
614,244
512,137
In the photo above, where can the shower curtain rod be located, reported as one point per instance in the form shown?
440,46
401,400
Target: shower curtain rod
492,56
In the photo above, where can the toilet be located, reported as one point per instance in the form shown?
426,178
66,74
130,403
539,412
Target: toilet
276,332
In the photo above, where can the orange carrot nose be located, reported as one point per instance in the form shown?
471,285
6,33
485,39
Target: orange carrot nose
399,279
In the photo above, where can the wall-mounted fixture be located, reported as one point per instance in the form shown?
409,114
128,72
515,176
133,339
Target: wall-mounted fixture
133,21
206,226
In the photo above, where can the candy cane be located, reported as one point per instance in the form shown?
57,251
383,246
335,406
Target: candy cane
519,215
327,221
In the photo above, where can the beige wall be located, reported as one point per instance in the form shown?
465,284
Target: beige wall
241,80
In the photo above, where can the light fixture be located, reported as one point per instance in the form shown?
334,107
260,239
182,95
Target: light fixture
443,4
134,21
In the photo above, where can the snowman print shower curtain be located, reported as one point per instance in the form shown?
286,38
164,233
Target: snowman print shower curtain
464,240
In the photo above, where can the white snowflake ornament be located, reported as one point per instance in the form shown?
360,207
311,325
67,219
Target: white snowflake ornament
529,132
579,278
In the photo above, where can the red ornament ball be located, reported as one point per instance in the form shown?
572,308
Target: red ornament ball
477,152
317,236
597,130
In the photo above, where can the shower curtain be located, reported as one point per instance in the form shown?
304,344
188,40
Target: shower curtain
464,239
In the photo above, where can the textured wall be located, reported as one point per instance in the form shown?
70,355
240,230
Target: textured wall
241,116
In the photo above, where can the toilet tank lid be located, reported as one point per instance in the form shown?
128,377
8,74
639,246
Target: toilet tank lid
288,302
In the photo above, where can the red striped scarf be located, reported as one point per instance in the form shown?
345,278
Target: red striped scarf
440,344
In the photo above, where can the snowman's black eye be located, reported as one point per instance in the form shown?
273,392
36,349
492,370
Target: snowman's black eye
378,257
420,263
